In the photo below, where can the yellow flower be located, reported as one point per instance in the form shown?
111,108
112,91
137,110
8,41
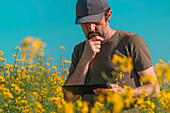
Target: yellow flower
17,60
148,79
97,108
161,69
22,60
1,68
15,56
29,56
128,96
42,68
1,53
36,95
48,64
161,61
51,59
17,48
27,41
67,61
85,108
38,107
3,59
2,79
122,63
41,49
167,73
22,102
116,100
36,45
62,48
69,107
54,67
144,93
101,98
16,89
65,70
7,73
7,94
38,64
115,59
79,103
121,75
62,60
164,99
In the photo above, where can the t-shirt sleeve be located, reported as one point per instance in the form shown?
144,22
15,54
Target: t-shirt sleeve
140,53
74,61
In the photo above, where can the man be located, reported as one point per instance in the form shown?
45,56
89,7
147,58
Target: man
94,55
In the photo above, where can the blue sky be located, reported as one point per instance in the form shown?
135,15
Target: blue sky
53,21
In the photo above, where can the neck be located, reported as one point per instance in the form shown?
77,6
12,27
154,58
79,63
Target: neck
110,33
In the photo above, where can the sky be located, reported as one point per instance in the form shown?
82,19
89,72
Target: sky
53,21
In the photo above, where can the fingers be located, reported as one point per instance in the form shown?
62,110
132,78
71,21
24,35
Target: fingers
114,88
95,43
102,90
99,91
92,47
97,38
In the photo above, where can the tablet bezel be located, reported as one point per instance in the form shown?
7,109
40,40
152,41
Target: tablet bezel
84,88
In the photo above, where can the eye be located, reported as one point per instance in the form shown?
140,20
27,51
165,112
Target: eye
97,23
84,24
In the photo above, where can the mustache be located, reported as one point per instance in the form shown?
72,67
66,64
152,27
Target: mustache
91,32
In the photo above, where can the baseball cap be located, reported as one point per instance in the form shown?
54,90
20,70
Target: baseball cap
90,10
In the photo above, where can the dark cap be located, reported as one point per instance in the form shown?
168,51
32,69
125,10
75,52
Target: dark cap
90,10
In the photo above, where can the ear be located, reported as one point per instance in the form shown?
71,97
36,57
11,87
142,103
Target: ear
109,14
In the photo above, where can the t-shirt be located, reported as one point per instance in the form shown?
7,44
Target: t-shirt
122,43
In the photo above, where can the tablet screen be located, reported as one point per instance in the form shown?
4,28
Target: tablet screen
84,88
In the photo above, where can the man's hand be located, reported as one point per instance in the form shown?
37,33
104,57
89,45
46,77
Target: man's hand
114,88
92,47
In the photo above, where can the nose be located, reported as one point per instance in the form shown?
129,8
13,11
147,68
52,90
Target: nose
92,26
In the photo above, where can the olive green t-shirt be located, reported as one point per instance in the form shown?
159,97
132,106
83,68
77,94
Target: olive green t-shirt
123,43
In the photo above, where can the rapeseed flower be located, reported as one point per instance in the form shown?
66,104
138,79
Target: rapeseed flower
33,84
122,63
22,102
2,80
38,107
101,98
116,100
62,48
1,53
69,107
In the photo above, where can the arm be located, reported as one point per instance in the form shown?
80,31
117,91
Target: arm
151,88
78,77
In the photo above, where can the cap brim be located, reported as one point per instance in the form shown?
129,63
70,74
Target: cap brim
89,18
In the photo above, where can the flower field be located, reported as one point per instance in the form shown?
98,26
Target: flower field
33,84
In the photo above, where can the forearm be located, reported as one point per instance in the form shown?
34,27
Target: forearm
151,89
78,77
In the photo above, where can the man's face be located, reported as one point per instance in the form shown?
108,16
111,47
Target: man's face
96,29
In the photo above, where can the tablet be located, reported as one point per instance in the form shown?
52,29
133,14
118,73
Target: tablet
84,88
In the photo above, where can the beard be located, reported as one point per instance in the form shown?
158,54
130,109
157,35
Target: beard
89,36
103,35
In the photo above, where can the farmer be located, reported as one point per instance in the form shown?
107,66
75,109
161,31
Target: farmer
94,55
